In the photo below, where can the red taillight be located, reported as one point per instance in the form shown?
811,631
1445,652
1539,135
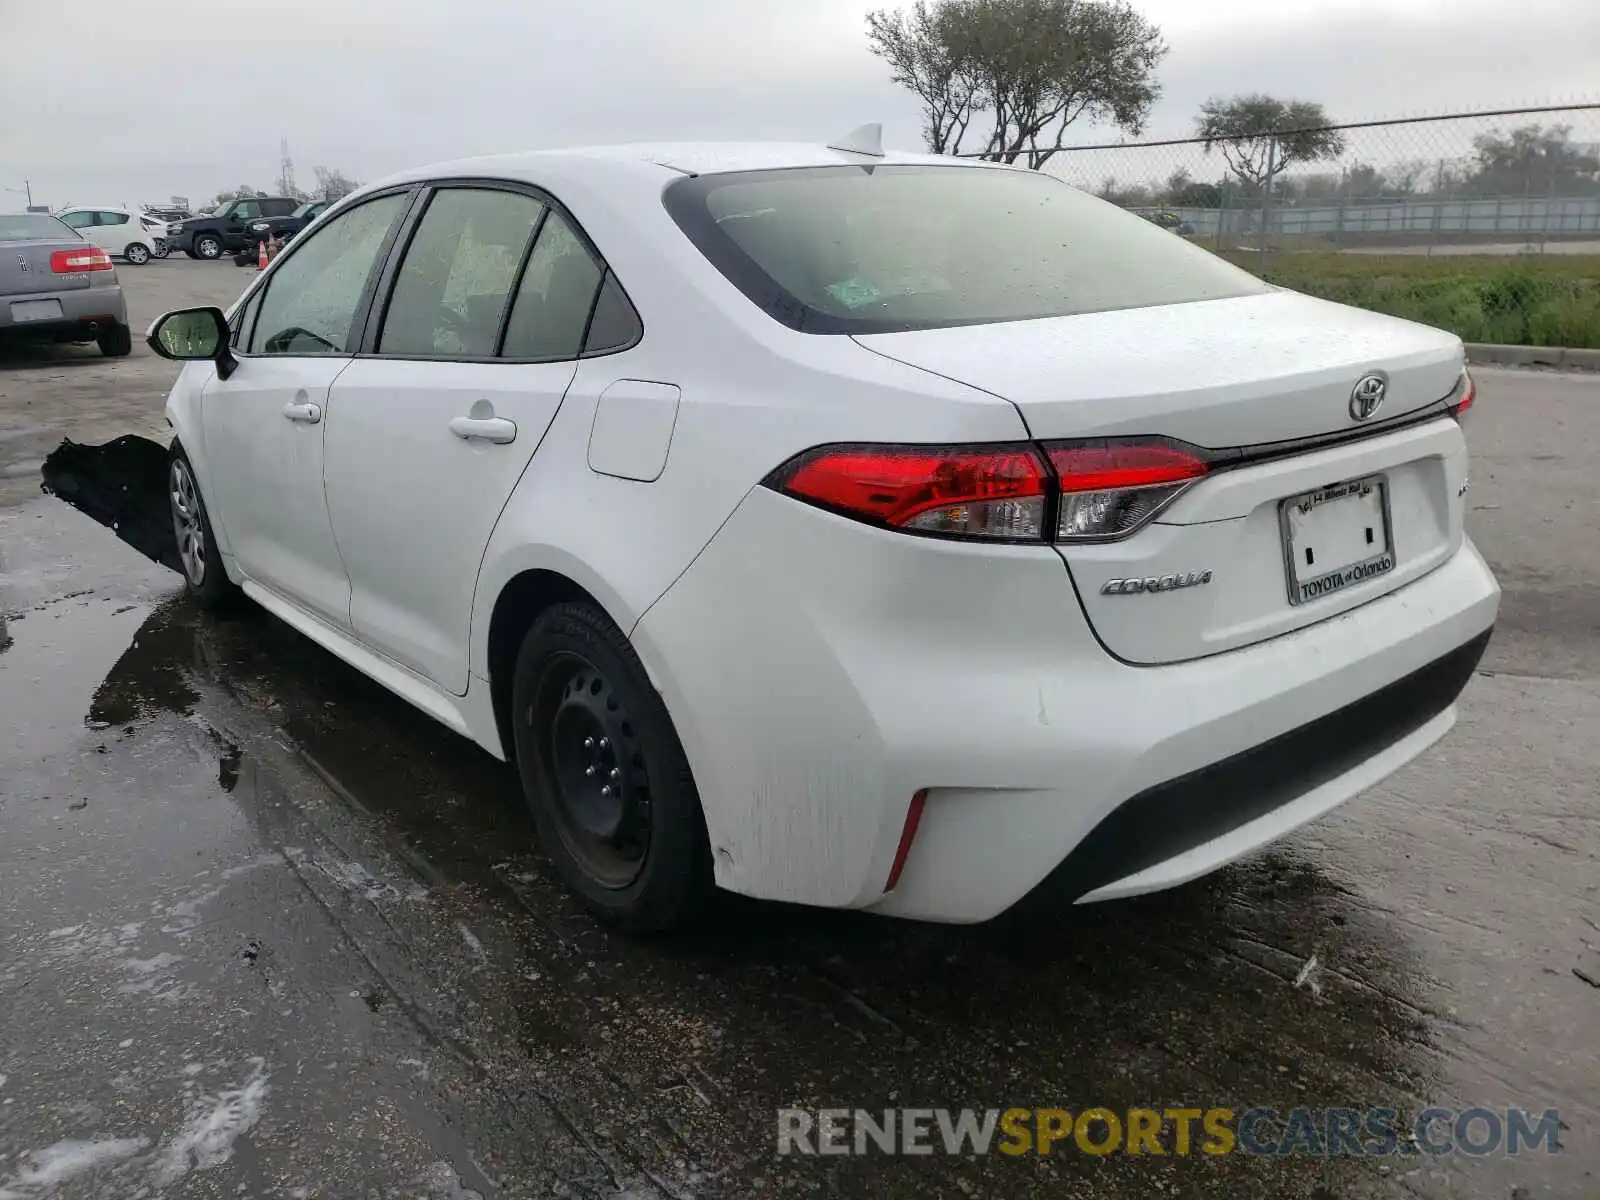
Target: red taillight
991,492
1109,489
908,834
71,262
1106,489
1465,393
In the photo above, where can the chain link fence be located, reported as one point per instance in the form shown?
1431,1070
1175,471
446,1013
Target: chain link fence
1485,223
1503,182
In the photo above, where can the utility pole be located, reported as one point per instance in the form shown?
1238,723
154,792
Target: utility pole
26,189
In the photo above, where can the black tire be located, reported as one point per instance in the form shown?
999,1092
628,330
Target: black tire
136,253
190,252
208,246
639,858
207,582
115,341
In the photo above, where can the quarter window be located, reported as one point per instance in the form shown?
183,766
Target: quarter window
111,218
452,287
615,324
312,296
557,294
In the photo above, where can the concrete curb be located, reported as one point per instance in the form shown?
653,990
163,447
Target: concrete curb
1533,356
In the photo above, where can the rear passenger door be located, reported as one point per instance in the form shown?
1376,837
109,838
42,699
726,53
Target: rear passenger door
463,368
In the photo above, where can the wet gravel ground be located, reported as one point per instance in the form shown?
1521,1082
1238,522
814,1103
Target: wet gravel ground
267,932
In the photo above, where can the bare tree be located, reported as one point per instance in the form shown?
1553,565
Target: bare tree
1260,136
333,184
1021,70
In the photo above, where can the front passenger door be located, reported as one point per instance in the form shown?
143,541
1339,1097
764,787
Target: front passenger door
263,425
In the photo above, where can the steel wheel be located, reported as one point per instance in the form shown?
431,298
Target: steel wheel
595,772
187,523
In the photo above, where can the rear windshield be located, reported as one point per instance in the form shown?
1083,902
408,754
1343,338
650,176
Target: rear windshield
33,227
879,249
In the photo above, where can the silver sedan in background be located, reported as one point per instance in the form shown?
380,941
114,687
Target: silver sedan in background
57,287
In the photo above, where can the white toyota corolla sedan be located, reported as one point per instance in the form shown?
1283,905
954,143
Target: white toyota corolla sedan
855,529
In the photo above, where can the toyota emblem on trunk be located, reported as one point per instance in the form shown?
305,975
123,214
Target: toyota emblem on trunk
1366,397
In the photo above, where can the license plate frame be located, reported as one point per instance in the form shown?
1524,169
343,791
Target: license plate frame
1316,587
24,311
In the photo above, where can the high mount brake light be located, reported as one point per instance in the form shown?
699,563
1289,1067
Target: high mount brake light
1110,489
1461,399
1099,490
72,262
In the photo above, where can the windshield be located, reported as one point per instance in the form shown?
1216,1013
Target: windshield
33,227
879,249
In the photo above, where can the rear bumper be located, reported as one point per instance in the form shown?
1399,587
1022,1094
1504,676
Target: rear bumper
821,672
82,309
1152,839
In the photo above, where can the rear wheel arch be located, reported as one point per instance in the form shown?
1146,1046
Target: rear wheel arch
522,598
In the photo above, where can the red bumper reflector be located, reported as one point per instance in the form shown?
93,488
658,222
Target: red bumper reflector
907,835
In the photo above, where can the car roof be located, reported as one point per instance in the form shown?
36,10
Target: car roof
655,159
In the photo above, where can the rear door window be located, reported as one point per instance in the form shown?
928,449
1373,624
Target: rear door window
556,296
454,283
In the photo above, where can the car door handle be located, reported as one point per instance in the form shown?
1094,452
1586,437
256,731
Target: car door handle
310,414
491,429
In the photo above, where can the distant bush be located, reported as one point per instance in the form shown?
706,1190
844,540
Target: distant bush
1524,301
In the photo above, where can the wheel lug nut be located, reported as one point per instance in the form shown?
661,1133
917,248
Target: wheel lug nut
604,742
616,772
588,743
589,771
605,791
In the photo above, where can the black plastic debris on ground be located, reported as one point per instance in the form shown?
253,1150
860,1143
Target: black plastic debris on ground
123,485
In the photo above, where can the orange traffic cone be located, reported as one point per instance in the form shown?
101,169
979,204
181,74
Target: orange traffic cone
261,256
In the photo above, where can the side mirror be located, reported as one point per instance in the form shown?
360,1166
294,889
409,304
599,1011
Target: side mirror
193,335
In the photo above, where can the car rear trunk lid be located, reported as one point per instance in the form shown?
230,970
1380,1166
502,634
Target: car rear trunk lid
25,268
1281,534
1268,367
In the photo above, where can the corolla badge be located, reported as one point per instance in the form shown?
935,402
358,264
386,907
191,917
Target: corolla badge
1367,396
1154,583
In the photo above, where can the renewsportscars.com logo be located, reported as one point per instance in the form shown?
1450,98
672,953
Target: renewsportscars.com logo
1261,1132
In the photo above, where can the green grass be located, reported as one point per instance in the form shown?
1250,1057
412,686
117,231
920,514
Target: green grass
1528,300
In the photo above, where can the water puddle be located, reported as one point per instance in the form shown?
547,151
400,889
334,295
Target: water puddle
121,484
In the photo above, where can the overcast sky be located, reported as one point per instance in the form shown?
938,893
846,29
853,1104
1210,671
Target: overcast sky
115,101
